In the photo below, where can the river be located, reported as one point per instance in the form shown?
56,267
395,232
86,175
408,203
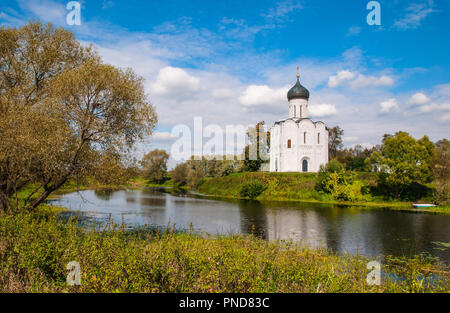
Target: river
372,232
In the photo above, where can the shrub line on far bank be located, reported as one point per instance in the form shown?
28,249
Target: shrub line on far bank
287,187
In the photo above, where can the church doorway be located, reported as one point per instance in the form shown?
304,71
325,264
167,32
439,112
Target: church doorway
305,166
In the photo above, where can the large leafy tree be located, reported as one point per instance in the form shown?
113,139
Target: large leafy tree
335,140
404,161
59,107
256,152
441,171
154,165
356,158
180,174
113,168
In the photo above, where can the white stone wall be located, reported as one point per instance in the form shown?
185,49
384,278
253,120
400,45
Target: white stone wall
298,108
309,141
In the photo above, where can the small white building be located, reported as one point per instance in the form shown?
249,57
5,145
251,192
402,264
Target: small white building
297,144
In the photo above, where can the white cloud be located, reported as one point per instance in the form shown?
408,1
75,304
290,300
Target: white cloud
443,90
256,95
107,4
416,12
162,137
363,145
12,19
238,28
445,117
46,10
357,80
418,99
175,82
350,138
435,107
353,56
142,56
322,110
283,9
223,93
365,81
354,31
389,105
340,77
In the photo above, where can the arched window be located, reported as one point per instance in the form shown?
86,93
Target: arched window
318,138
295,111
304,165
300,111
289,144
304,138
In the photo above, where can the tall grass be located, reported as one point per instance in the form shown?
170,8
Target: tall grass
35,248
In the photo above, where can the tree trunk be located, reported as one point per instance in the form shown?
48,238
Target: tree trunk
3,201
46,193
49,189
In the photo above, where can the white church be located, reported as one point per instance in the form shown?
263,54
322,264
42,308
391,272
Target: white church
297,144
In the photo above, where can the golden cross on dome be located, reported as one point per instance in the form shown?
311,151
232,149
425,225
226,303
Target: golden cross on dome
298,72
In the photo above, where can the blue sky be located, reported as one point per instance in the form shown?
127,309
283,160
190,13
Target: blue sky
232,62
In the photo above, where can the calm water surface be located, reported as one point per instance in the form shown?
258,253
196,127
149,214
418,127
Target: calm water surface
340,228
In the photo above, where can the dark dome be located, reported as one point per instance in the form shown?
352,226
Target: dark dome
298,92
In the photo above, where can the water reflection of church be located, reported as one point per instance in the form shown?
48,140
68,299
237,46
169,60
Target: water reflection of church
273,224
304,228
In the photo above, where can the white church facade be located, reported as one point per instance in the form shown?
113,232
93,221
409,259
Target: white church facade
298,144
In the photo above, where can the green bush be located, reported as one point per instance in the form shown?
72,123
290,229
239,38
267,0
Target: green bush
195,177
352,191
341,184
252,189
441,194
333,166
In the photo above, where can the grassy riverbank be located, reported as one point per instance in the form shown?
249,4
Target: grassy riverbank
35,248
299,187
72,186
